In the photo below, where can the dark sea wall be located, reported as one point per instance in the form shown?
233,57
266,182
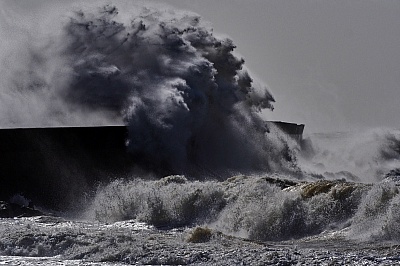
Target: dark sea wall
54,167
293,130
59,167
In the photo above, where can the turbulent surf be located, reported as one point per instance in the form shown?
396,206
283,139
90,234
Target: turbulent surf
192,174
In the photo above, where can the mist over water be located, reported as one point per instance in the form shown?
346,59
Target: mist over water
366,156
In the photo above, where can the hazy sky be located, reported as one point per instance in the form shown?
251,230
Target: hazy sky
333,65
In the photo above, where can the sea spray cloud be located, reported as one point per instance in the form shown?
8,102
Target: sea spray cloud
185,97
35,70
189,102
366,156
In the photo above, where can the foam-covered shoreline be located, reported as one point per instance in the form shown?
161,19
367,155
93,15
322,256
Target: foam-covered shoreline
62,242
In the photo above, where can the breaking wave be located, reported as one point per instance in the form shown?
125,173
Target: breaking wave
257,208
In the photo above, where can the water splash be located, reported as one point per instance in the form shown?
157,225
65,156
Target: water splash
189,103
184,96
366,156
244,206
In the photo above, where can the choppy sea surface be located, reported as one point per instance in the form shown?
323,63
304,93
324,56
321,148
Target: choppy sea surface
241,221
51,241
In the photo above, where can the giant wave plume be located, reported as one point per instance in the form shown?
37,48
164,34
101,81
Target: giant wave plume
188,101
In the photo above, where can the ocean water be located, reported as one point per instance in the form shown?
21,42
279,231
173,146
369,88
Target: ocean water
209,183
244,220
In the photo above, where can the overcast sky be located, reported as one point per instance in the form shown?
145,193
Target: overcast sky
333,65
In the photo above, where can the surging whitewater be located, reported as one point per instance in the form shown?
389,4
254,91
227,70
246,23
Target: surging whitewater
191,109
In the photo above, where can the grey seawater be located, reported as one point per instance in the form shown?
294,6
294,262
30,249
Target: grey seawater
241,221
43,241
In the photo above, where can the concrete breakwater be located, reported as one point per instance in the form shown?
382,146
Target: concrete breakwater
41,163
